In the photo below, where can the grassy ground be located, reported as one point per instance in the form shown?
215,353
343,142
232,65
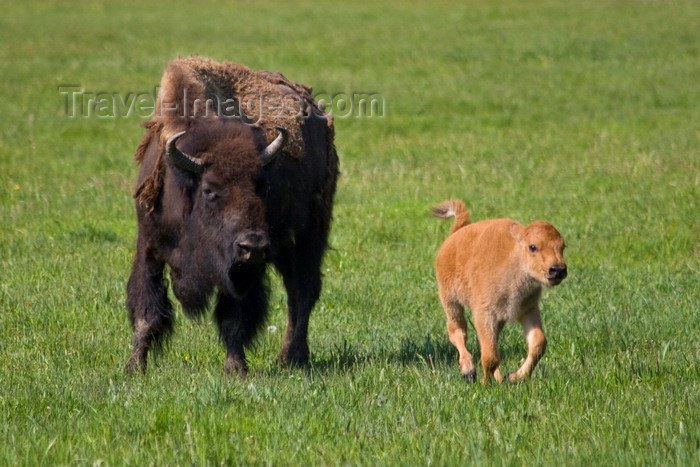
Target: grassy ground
581,113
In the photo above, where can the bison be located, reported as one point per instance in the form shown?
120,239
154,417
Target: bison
497,268
218,200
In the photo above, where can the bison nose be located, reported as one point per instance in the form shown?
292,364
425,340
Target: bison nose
558,271
252,248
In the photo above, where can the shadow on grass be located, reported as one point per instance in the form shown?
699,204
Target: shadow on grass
347,357
429,351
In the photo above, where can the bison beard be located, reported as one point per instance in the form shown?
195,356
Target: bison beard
216,202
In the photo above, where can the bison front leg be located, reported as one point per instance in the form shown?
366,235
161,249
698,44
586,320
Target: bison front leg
150,309
488,328
239,320
536,344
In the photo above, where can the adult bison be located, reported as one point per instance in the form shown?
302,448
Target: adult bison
224,188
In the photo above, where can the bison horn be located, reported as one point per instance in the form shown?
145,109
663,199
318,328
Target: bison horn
179,158
270,152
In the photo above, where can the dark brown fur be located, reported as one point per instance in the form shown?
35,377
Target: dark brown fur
217,230
192,87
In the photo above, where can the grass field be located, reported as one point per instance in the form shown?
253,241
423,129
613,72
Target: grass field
582,113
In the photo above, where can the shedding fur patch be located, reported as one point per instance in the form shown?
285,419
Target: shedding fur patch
197,87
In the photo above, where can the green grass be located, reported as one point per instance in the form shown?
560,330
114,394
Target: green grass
581,113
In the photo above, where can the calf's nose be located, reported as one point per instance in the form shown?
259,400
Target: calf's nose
558,271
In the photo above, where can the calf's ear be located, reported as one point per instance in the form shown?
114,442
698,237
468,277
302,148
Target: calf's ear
516,230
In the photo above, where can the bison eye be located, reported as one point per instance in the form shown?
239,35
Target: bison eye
533,248
208,194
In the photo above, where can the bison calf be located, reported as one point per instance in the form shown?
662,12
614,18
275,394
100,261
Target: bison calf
497,268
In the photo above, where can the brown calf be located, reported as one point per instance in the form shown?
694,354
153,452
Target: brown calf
497,268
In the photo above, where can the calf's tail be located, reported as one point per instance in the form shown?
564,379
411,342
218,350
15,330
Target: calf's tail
452,208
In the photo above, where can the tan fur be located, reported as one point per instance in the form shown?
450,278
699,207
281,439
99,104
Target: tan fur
453,208
489,267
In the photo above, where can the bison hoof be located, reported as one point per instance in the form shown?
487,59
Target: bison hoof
470,377
294,357
134,367
236,366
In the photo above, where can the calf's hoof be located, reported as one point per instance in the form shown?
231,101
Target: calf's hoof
470,376
513,378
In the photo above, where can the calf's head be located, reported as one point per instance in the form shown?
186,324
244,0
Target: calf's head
542,248
219,167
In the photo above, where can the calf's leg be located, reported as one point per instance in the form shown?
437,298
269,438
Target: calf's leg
536,345
457,332
487,331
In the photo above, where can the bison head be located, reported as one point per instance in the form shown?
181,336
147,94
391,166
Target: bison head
219,169
543,249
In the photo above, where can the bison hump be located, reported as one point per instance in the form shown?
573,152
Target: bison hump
267,99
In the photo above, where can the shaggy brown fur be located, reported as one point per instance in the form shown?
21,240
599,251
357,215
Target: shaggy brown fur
217,202
193,87
497,268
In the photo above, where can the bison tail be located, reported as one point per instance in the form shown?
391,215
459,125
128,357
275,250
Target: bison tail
452,208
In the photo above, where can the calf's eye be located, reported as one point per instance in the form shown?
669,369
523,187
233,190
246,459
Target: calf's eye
533,248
